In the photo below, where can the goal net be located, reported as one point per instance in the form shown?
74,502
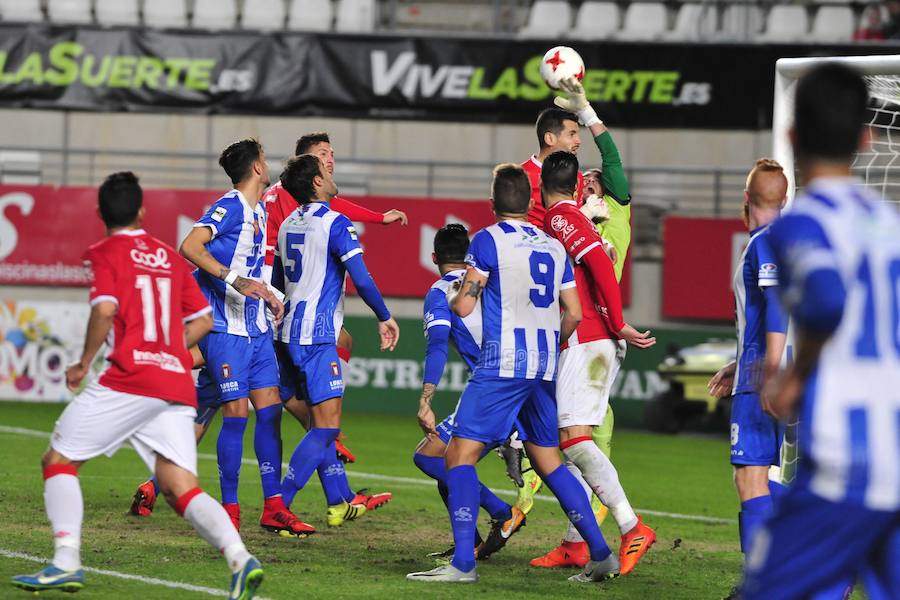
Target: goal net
878,166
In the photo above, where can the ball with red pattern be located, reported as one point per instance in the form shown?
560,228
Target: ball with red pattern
561,62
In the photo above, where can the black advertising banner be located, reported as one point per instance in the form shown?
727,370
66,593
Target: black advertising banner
493,80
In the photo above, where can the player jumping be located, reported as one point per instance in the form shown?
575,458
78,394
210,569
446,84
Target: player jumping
316,249
144,299
761,334
838,253
442,328
521,276
279,204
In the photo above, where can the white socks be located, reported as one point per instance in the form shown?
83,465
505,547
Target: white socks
212,523
65,509
602,477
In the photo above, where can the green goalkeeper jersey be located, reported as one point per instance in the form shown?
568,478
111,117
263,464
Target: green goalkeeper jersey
617,230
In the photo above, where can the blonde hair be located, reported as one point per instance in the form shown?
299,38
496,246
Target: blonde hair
767,184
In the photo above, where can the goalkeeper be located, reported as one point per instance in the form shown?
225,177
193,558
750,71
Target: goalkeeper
606,200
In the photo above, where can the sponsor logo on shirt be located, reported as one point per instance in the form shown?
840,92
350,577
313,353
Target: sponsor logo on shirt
336,384
768,271
352,231
163,360
218,214
230,386
153,260
561,225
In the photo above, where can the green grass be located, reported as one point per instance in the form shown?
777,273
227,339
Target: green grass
369,558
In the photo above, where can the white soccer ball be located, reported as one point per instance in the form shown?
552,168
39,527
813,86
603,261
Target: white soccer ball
561,62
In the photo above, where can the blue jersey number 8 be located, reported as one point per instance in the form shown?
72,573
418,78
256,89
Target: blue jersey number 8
542,273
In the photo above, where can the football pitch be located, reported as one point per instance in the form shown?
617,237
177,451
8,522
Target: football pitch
682,486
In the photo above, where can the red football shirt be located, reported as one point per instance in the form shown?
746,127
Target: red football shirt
598,290
279,204
155,293
532,166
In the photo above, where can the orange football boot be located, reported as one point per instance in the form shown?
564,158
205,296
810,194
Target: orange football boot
635,544
567,554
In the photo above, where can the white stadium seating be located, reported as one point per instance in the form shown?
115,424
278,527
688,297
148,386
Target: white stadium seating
25,11
548,19
310,15
832,24
740,22
596,21
695,21
643,21
165,13
785,23
263,15
215,15
118,12
357,16
70,12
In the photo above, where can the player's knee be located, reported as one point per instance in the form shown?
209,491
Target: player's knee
52,457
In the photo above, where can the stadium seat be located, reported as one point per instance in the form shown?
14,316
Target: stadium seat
310,15
832,24
263,15
118,12
165,13
70,12
215,15
695,21
643,21
740,22
548,19
356,16
596,21
21,11
785,23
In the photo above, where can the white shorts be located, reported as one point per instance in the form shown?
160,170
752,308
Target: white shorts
584,381
99,420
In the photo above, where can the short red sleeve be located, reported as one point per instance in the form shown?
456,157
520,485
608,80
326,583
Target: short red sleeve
573,230
193,302
103,278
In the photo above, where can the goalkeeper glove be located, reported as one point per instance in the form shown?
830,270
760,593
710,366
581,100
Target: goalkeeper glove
595,209
576,101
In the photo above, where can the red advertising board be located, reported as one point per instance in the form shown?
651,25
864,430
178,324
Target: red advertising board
44,231
699,259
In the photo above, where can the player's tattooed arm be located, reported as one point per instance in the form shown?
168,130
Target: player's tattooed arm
426,414
472,288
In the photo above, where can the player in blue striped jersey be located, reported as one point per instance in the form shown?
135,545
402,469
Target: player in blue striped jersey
839,254
520,276
227,245
317,247
761,333
443,327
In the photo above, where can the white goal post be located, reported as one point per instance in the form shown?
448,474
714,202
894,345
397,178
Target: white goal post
878,167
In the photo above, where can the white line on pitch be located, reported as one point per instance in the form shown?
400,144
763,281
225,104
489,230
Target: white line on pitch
148,580
418,481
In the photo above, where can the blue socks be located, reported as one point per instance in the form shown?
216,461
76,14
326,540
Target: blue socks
777,490
267,443
307,456
754,513
333,477
436,468
577,507
462,482
230,451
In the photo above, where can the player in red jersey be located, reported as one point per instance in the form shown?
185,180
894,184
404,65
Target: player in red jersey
279,204
144,299
590,360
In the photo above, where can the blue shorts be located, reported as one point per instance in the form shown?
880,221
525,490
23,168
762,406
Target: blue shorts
208,400
810,546
239,364
490,405
445,430
755,436
318,372
287,373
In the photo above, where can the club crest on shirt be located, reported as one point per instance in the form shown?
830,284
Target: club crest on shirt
218,214
226,371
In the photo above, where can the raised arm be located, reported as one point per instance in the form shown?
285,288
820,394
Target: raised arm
361,214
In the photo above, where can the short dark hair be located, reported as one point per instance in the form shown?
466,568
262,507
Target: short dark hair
559,173
510,189
297,177
451,243
551,120
305,143
120,198
829,112
238,158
